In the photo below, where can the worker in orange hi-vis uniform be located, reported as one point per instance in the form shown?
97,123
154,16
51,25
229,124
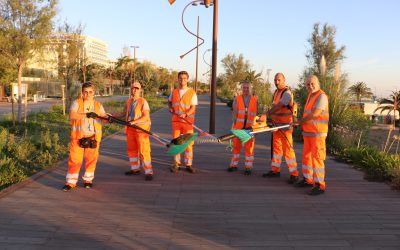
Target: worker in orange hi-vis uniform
182,104
86,133
137,112
244,111
314,125
282,113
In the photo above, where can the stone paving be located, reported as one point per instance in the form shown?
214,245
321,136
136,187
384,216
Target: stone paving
212,209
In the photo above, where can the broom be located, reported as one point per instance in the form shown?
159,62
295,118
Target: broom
244,135
255,127
176,146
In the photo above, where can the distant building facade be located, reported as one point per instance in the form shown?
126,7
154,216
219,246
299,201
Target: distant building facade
91,50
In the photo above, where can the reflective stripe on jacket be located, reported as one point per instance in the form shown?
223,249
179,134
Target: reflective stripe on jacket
319,125
138,112
283,115
182,105
77,125
244,113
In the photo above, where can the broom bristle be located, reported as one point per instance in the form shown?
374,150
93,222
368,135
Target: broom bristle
241,134
177,149
181,139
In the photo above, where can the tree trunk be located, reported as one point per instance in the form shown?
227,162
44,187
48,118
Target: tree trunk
19,114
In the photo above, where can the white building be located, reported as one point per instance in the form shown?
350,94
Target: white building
92,51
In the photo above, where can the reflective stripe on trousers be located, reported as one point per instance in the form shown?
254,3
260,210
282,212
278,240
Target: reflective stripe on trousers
76,157
139,152
283,147
179,128
314,154
249,152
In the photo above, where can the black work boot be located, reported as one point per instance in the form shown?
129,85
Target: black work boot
302,183
293,179
67,187
316,190
272,174
148,177
247,171
132,172
190,169
231,169
175,168
88,185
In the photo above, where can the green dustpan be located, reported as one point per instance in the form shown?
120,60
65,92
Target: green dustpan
177,149
242,134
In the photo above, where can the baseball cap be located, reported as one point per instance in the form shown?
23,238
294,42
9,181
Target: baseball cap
136,85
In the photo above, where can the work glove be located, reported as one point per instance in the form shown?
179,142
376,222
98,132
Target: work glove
91,115
110,118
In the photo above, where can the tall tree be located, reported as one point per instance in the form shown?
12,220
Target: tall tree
360,90
25,26
323,48
324,59
69,46
236,68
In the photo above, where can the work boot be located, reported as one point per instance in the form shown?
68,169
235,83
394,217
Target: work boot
316,190
231,169
190,169
148,177
293,179
175,168
302,183
132,172
272,174
247,171
67,187
88,185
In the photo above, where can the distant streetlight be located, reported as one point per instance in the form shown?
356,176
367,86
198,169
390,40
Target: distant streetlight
134,60
268,72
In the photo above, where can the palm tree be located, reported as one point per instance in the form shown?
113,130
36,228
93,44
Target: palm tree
360,90
253,77
390,104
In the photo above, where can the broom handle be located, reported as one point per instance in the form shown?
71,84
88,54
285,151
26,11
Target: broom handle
199,129
122,122
269,129
231,135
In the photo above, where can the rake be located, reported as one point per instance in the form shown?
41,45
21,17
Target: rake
175,146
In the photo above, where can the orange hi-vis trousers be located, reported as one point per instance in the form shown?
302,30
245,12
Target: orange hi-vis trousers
179,128
249,153
282,145
314,154
139,151
76,156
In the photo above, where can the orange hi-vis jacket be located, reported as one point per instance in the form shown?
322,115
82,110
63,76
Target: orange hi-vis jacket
245,114
136,115
283,115
76,125
182,106
318,126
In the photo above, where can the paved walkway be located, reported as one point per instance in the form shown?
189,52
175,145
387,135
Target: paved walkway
212,209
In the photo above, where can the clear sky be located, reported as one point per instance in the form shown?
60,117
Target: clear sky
270,34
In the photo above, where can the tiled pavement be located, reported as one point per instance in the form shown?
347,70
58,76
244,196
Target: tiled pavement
212,209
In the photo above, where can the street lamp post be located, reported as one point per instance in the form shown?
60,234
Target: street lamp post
193,3
214,68
134,60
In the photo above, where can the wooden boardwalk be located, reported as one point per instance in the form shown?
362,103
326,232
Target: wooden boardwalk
212,209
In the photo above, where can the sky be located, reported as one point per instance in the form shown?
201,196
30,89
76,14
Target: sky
270,34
